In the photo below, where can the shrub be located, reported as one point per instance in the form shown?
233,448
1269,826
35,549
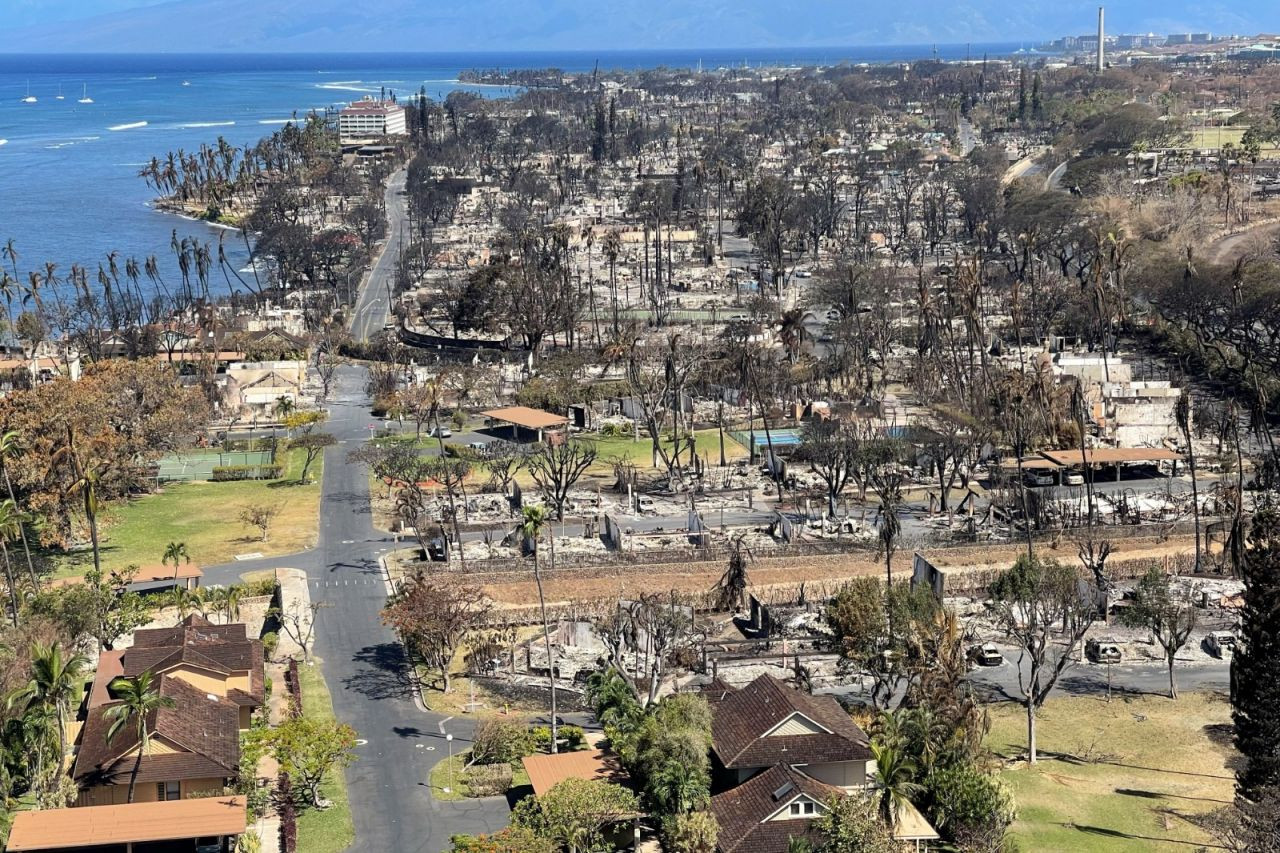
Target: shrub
232,473
270,642
499,741
694,832
571,737
510,840
541,738
259,587
488,780
968,806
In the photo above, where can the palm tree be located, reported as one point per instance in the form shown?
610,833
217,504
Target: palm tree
10,525
8,450
87,477
894,776
535,519
139,697
55,682
681,786
177,552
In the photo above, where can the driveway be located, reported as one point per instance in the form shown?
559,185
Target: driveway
364,663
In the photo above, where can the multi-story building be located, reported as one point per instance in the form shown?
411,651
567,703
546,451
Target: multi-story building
370,119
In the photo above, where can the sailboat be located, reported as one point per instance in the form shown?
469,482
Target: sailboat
84,97
59,96
30,98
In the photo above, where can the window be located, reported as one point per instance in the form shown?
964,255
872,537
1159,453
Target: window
795,808
168,790
808,808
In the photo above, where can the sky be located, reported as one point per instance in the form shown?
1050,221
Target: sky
495,25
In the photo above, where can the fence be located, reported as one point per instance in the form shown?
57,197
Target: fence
199,466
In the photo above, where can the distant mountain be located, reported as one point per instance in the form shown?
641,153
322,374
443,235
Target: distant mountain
472,25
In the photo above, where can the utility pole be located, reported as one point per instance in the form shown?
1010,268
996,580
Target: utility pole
1101,40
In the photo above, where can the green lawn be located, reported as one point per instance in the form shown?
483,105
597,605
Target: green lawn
204,515
1118,777
641,452
331,830
448,773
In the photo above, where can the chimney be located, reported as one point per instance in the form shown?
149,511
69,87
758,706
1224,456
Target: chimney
1101,40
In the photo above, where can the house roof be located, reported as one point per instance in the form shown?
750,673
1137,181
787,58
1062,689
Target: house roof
193,630
743,718
206,728
110,667
742,812
547,771
91,826
526,417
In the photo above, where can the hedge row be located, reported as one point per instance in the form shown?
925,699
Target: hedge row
229,473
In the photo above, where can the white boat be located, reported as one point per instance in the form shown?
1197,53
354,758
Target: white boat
84,98
186,82
59,96
30,98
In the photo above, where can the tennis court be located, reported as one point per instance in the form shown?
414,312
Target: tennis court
199,466
781,438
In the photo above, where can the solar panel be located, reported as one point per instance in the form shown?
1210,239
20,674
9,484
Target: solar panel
787,788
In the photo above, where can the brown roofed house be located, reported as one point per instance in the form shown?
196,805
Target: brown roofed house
764,813
768,723
194,748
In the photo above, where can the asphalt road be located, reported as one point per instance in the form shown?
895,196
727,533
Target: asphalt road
373,305
364,663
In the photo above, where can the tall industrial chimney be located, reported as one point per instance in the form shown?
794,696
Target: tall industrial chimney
1101,41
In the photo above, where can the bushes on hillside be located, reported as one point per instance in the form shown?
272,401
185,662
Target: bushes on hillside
232,473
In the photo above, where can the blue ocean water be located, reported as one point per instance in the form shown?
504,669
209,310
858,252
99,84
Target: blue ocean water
69,190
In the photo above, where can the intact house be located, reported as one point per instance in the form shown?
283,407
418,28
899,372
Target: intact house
778,757
213,674
767,723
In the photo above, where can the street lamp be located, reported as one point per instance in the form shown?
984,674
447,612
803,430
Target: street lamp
449,740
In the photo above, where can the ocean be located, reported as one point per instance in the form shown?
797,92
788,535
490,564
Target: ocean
69,186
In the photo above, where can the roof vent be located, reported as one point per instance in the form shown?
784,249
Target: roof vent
787,788
211,697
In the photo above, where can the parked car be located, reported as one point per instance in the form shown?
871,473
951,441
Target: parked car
1038,478
480,448
985,654
1103,651
1073,478
1220,643
440,432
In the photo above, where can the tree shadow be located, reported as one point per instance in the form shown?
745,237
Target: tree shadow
1130,836
1156,795
410,731
382,673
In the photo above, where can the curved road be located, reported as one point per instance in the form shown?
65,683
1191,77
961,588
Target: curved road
373,303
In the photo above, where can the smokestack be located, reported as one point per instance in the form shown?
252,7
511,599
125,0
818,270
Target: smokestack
1101,39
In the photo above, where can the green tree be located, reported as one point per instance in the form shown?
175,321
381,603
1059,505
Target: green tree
176,553
313,444
55,682
535,520
308,749
1255,666
10,528
10,447
137,698
1045,608
102,608
851,825
510,840
970,808
895,781
694,832
1164,609
575,813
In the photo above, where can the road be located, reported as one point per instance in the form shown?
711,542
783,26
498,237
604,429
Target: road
966,136
373,303
364,663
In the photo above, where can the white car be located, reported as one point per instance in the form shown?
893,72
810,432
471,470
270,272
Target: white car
440,432
1073,478
1038,478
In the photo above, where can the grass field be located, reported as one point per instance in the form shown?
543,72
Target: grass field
1119,777
331,830
449,773
205,516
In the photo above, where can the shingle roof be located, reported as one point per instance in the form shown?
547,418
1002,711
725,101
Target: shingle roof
742,718
89,826
741,812
207,729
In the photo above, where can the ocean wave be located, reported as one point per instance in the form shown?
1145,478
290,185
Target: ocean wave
67,143
4,142
274,120
129,126
339,87
207,124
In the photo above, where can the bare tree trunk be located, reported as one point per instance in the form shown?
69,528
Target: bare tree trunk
546,636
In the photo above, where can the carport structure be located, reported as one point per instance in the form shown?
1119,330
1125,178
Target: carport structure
1093,458
175,826
534,421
